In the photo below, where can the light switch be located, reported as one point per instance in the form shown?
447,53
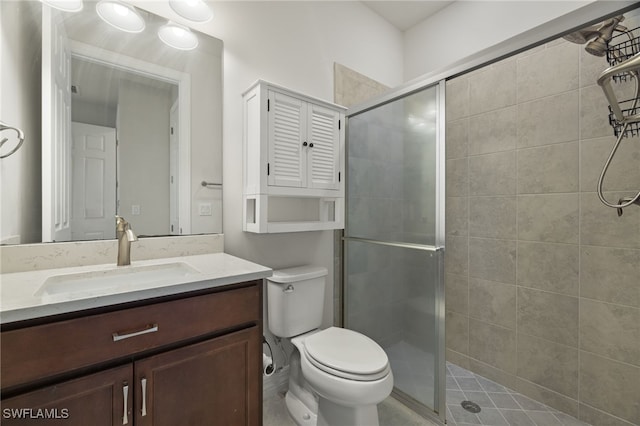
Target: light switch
205,209
135,209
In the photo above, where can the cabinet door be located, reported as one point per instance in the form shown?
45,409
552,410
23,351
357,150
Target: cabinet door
324,148
287,133
216,382
97,399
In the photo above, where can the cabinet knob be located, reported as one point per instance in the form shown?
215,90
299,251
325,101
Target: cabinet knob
304,143
311,145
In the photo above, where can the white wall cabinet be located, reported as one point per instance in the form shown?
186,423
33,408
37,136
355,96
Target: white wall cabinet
293,150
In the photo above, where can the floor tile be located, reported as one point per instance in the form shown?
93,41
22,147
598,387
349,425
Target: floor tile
460,415
451,383
492,417
468,383
455,397
504,400
517,418
490,386
480,398
542,418
528,403
457,371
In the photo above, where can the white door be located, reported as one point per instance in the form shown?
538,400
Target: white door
56,128
93,182
324,148
174,158
287,155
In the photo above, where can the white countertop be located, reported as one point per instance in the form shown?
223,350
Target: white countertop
21,296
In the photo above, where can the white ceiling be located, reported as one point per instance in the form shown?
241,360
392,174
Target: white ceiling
405,14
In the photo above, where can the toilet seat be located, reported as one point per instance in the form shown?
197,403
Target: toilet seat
346,354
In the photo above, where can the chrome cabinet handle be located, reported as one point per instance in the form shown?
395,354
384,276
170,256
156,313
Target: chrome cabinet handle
289,289
148,329
143,383
125,395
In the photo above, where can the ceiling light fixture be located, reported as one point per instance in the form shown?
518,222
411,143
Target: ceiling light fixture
178,36
120,16
193,10
65,5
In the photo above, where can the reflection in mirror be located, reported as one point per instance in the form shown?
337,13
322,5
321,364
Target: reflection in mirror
117,123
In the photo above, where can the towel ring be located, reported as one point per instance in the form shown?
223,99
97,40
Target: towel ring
4,126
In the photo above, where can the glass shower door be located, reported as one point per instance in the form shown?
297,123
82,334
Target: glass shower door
393,247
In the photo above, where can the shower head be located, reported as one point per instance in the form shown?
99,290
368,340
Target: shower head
598,47
602,33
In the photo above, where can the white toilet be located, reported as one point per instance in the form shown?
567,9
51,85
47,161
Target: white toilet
337,376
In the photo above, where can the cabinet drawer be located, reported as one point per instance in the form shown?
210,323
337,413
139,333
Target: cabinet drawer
42,351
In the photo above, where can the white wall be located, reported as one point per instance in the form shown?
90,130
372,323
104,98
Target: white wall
93,113
466,27
20,203
293,44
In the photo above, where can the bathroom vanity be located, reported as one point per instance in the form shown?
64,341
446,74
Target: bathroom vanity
188,351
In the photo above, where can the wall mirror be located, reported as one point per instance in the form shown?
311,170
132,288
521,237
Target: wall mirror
128,125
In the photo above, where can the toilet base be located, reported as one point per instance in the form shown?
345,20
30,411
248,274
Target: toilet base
332,414
300,412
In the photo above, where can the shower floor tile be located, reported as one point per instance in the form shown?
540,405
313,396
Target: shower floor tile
500,406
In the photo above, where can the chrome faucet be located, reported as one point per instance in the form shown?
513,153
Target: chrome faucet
125,238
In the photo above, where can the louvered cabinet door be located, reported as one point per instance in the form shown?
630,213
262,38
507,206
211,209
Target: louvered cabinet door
287,133
323,157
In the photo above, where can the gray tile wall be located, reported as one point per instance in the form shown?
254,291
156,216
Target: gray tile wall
542,280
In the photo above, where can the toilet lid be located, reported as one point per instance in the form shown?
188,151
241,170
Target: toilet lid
347,353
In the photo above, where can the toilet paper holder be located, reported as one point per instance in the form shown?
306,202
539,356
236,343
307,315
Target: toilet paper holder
268,366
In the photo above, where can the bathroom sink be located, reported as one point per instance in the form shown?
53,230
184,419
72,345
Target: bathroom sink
114,280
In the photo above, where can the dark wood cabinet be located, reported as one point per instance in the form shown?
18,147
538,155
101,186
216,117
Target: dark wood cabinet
208,383
96,399
191,361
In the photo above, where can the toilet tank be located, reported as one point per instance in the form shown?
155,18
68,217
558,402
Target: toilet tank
295,300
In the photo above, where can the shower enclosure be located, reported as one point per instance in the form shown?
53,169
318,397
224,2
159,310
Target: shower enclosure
394,239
